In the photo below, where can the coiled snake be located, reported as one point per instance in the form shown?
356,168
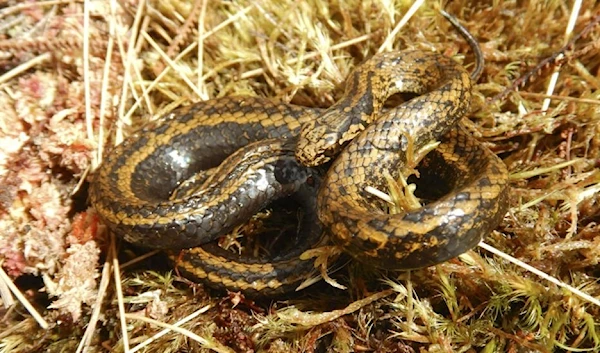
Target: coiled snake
148,189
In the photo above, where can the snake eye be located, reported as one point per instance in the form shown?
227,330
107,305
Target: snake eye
331,152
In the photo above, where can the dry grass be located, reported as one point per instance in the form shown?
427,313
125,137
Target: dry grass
77,76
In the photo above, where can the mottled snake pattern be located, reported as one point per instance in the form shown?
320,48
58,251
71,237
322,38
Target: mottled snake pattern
151,189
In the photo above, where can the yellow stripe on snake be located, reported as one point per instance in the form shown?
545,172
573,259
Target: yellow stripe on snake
150,189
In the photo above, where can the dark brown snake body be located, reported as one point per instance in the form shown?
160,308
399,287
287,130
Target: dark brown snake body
257,141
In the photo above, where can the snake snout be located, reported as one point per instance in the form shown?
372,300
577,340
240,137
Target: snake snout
318,146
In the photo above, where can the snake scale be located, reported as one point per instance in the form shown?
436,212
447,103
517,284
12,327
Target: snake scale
151,189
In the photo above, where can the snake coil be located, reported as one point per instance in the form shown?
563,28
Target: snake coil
149,190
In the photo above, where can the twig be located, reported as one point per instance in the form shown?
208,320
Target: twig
561,98
17,293
201,85
86,72
171,63
24,67
387,44
568,31
119,291
128,65
217,347
539,273
553,59
163,332
86,339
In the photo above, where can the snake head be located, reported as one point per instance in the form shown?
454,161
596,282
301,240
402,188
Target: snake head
317,145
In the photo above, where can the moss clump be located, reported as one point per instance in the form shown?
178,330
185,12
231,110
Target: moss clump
67,99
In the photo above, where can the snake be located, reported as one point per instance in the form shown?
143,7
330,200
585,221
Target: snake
198,172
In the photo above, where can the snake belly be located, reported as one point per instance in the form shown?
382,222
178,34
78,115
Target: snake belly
255,139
